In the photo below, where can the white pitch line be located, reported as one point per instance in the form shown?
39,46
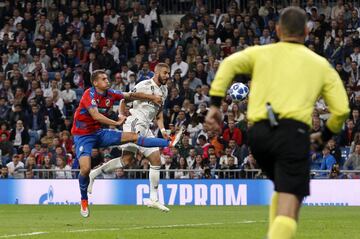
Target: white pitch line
24,234
94,230
160,226
130,228
175,225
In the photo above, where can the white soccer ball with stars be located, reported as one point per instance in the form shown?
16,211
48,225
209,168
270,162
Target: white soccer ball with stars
238,91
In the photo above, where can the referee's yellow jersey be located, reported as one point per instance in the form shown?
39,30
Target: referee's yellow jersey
290,77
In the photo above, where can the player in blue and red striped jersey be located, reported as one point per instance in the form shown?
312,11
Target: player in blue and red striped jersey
91,113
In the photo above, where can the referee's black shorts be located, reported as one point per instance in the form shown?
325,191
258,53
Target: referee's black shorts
282,153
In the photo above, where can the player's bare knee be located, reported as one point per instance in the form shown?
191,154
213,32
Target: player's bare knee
85,165
154,159
85,171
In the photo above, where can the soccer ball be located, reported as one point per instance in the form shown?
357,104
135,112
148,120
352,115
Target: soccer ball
238,91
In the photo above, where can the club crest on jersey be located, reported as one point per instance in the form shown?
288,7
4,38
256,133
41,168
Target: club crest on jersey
93,102
107,102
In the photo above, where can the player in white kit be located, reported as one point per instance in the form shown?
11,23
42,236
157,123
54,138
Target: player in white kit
143,113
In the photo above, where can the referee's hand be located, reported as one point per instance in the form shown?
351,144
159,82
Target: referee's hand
213,119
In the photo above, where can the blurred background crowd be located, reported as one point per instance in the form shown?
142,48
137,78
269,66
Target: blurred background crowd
49,50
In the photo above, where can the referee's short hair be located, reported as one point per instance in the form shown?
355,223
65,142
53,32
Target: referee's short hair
293,22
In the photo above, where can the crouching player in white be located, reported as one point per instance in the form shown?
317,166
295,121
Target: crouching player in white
143,113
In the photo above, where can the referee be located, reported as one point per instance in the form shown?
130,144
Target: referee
287,79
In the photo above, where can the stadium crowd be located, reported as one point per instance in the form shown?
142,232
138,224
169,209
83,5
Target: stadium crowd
49,54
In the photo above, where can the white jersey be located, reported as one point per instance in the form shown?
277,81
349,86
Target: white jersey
147,110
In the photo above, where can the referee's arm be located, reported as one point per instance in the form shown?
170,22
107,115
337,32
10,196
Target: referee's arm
337,100
235,64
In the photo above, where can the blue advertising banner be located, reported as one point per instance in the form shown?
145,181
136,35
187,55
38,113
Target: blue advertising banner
172,192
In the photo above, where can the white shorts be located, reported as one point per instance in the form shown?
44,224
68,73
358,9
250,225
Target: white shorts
135,125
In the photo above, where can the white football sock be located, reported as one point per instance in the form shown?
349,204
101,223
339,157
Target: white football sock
154,177
109,166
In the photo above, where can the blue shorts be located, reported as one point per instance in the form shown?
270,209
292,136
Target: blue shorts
100,139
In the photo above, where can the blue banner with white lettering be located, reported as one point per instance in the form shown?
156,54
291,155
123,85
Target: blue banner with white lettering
172,192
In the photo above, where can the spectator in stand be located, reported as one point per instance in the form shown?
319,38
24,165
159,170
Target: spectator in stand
185,147
135,32
316,124
4,128
213,166
233,133
203,143
36,124
200,97
25,152
144,73
190,160
166,174
347,135
174,98
17,113
355,116
19,136
353,163
4,109
224,158
216,142
230,166
5,66
181,65
181,120
235,149
57,151
65,141
328,159
120,174
46,164
197,168
30,165
125,72
6,148
54,114
15,167
5,173
62,170
335,151
69,97
249,163
182,169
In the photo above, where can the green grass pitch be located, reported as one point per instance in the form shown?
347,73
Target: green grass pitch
123,222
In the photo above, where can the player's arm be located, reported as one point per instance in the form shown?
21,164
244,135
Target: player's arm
235,64
336,98
130,96
160,123
93,111
121,111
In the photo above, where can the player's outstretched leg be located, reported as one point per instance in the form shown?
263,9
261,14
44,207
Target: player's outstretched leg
128,137
85,165
107,167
